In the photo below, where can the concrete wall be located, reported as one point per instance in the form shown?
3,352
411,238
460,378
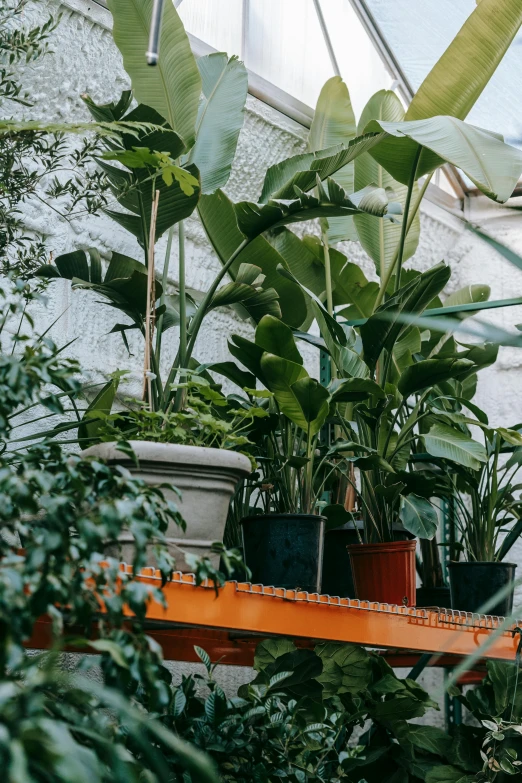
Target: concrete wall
86,60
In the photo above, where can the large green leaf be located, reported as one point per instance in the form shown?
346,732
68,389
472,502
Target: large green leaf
493,166
300,259
254,219
280,375
314,401
220,118
246,291
467,295
219,221
109,112
173,86
133,188
383,328
354,390
458,78
336,343
276,337
124,284
303,170
447,774
347,668
430,372
380,239
350,286
448,443
269,650
418,516
249,354
100,407
334,123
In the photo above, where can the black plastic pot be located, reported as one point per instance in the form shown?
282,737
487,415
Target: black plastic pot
285,550
473,584
433,596
337,568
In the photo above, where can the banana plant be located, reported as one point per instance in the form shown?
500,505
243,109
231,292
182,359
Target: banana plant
386,420
296,466
488,508
404,151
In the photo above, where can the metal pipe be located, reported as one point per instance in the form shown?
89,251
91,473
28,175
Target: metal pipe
327,39
155,32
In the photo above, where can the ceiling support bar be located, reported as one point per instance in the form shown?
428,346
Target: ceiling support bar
327,39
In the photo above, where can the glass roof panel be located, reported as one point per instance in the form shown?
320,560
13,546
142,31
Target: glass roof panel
419,32
282,41
359,62
285,45
218,23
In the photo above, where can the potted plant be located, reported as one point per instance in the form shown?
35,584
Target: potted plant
488,518
283,533
197,455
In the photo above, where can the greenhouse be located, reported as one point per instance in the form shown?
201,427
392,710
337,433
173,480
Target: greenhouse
260,419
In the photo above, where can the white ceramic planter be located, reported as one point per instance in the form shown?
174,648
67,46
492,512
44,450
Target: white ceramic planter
206,479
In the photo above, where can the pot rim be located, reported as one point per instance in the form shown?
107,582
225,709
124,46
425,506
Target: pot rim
454,563
303,517
172,454
382,547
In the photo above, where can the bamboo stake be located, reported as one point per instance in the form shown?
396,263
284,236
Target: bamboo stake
150,311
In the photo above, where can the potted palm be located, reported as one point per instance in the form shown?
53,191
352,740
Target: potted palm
488,516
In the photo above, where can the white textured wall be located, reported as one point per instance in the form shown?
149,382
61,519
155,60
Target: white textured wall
86,60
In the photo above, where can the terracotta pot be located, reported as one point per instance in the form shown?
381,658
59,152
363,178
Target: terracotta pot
206,478
384,573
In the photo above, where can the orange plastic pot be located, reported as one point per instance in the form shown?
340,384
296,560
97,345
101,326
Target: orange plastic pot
384,572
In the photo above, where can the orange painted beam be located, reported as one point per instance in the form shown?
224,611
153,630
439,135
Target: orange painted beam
247,608
229,625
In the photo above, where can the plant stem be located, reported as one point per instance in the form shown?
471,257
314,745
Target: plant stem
151,304
180,394
329,293
182,297
164,280
200,314
404,227
143,227
327,272
412,213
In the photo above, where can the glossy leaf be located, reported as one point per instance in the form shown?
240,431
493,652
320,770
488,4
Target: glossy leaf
220,118
493,166
280,375
381,239
334,123
173,86
303,170
418,516
275,337
448,443
430,372
314,401
219,221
